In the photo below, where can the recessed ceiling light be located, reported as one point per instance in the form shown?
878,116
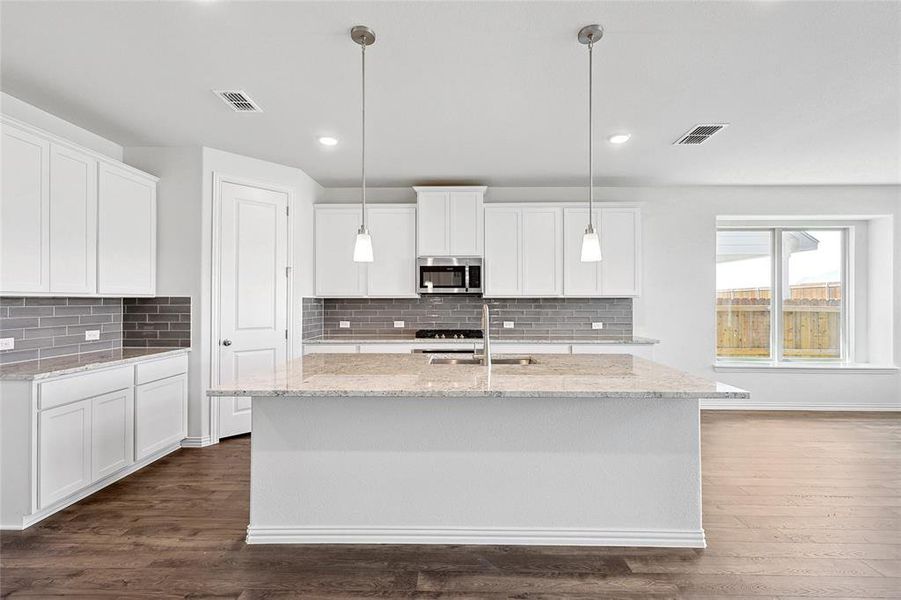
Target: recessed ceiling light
619,138
328,141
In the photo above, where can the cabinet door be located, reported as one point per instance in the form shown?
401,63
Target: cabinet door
465,223
336,272
24,213
432,228
73,221
579,279
64,464
503,243
542,251
112,433
126,232
160,415
393,269
620,237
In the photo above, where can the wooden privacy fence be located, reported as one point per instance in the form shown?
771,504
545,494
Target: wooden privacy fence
812,327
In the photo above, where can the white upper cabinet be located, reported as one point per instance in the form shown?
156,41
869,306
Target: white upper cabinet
336,272
393,270
449,220
24,213
73,221
523,250
126,258
618,274
503,255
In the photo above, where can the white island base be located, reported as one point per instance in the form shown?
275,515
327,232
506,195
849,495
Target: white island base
614,471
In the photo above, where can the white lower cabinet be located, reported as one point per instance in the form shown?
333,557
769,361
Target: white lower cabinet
160,414
64,465
112,433
65,437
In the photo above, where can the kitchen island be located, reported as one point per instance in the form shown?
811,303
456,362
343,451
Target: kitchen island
387,448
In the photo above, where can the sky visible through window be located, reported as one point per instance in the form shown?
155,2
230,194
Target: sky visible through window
812,266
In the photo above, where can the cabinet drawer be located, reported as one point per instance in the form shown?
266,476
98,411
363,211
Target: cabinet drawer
512,348
386,348
330,349
68,389
152,370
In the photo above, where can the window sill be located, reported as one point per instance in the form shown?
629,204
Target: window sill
754,367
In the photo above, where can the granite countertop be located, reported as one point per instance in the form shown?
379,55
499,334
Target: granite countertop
64,365
555,376
495,340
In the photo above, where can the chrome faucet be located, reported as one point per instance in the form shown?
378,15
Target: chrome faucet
486,347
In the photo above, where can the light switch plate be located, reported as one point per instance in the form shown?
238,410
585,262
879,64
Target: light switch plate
7,343
344,324
399,324
508,324
597,325
92,335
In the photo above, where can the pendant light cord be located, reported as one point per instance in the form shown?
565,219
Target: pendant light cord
590,135
363,177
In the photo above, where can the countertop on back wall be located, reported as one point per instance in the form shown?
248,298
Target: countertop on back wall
496,340
76,363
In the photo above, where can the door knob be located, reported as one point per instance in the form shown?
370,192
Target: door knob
226,342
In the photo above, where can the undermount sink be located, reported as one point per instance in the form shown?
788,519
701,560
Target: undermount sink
513,360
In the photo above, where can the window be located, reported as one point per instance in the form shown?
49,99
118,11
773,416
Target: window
781,294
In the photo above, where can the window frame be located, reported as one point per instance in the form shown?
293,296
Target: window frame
777,340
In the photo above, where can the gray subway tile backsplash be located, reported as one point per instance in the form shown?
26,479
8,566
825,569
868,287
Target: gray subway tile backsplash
533,318
48,327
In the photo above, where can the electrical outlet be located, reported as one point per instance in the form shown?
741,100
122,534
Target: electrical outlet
7,343
597,325
508,324
344,324
399,324
92,335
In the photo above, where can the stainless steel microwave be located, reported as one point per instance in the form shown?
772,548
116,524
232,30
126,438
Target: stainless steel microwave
449,275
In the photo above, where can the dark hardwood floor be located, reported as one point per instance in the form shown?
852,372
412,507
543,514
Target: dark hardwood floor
796,505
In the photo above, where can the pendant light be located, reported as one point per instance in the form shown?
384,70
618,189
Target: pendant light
363,246
591,245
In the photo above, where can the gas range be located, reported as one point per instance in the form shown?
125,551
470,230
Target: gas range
449,334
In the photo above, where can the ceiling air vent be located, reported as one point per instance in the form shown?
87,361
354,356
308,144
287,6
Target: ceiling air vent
238,100
700,133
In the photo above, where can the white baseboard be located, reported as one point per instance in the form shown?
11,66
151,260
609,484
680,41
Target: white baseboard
665,538
197,441
29,520
751,404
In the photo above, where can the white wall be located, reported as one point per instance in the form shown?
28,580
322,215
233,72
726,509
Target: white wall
677,304
18,109
185,202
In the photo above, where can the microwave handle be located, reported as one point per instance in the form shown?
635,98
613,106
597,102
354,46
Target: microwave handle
466,278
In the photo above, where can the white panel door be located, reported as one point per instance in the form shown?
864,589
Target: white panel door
126,239
542,251
161,415
73,221
433,227
337,275
465,223
579,279
24,213
620,235
64,437
393,270
503,244
112,433
253,281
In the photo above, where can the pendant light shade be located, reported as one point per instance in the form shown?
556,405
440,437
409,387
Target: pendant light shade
363,36
591,244
363,246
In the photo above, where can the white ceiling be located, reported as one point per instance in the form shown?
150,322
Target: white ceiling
482,92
